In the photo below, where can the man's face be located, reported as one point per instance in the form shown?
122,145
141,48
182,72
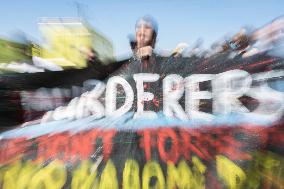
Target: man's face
144,34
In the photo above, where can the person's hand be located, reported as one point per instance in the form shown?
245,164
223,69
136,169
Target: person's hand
144,51
88,53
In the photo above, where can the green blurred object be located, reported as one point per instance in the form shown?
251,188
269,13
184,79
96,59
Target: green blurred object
13,51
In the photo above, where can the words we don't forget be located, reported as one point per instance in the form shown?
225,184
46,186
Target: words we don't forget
226,90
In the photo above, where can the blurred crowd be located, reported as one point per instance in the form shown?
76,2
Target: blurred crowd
245,43
65,50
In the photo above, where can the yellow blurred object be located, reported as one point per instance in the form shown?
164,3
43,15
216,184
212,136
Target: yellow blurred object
68,41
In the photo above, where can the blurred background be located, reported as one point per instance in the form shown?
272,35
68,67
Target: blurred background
186,21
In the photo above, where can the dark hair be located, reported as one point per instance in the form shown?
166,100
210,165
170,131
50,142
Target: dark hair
154,39
154,24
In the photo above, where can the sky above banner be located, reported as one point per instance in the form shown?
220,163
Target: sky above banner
179,21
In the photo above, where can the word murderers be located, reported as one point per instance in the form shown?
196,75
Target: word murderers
226,90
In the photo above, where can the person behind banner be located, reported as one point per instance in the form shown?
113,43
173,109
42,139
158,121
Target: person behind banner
146,29
142,43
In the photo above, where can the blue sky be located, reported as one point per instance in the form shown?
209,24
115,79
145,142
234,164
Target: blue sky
179,20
